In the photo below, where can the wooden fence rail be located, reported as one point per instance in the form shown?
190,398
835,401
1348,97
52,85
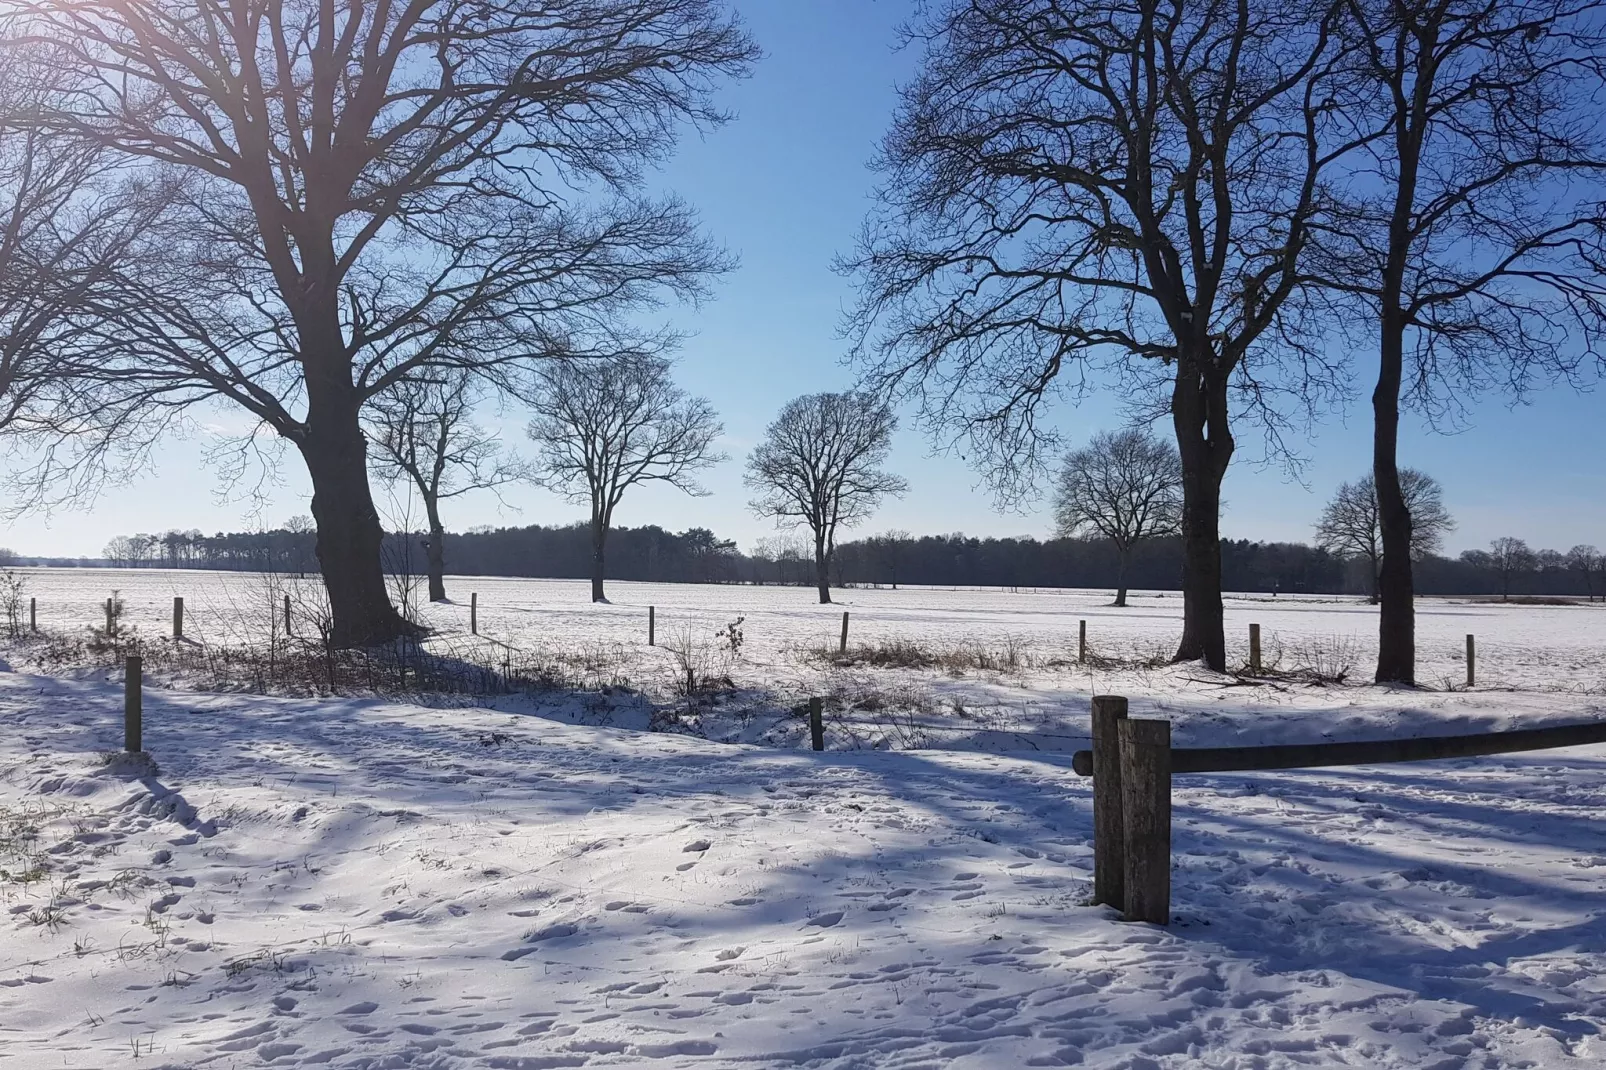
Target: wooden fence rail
1132,764
1368,752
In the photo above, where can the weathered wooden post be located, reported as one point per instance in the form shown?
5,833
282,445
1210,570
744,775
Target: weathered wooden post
178,616
474,614
111,619
286,614
652,625
1254,649
817,722
1146,818
1109,872
1472,661
842,647
133,710
33,614
1081,643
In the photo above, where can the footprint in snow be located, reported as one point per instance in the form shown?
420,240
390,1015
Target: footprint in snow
826,920
696,847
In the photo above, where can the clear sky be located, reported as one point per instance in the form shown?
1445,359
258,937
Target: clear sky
785,187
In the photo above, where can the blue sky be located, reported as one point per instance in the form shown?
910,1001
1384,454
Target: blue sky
785,187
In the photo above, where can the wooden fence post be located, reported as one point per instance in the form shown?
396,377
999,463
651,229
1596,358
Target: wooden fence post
652,625
817,723
842,648
474,614
286,614
1472,661
33,614
1146,819
178,616
1254,649
1081,643
1109,871
111,619
133,710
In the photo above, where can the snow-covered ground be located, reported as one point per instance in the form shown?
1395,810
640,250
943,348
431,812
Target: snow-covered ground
362,883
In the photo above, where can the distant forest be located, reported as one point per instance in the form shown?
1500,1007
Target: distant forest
697,555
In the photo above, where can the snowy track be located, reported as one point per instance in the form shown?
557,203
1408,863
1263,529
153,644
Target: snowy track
370,885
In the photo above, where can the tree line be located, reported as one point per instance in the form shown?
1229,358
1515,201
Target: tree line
891,559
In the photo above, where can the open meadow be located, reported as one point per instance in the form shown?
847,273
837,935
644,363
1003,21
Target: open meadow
607,867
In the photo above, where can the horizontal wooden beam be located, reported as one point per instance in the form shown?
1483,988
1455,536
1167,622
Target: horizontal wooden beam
1369,752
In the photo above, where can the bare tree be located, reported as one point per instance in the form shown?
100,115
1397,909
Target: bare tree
1510,558
820,466
1075,185
1123,485
888,549
423,431
1588,563
602,427
70,222
1472,235
1351,527
378,192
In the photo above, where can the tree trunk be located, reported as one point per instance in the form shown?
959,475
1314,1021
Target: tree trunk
1123,555
437,552
822,570
599,539
1199,414
349,533
1396,657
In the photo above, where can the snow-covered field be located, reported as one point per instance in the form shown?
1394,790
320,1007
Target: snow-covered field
364,883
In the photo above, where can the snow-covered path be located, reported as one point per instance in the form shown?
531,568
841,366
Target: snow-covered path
358,884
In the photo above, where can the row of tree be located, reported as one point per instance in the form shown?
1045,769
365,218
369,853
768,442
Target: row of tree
891,559
1210,203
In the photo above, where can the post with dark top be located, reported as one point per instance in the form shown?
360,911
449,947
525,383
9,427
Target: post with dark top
133,711
1108,869
1146,816
817,723
1254,648
33,614
1081,643
1472,661
652,625
178,617
842,647
474,614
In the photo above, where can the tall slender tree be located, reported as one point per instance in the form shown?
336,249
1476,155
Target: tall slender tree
602,427
377,192
424,433
1473,230
1075,185
820,465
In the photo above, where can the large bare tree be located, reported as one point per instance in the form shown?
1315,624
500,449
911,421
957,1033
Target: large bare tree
1123,485
377,192
1074,186
1473,234
71,223
604,426
1351,525
423,432
820,465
